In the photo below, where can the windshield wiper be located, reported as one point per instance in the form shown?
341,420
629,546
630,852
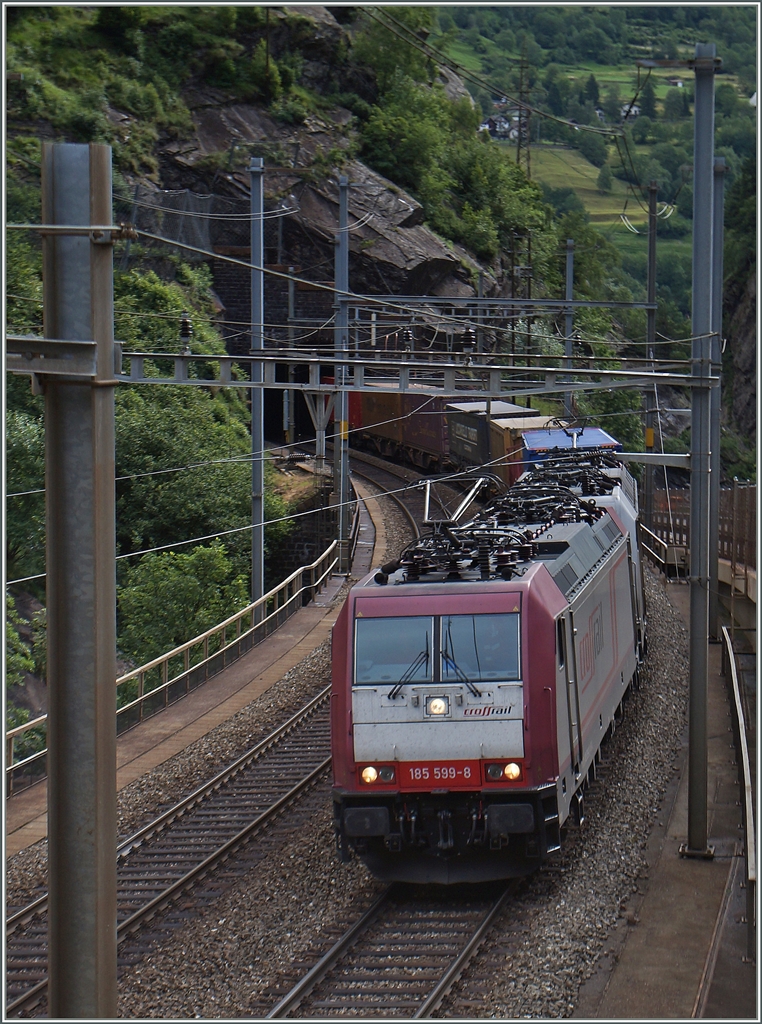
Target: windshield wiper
421,660
450,663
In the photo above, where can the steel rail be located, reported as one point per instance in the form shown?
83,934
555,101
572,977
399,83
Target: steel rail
164,898
453,972
399,503
303,987
315,975
174,812
399,473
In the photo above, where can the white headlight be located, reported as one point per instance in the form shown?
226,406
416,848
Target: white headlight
369,774
438,706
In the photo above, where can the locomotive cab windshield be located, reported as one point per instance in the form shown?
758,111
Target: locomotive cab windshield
450,649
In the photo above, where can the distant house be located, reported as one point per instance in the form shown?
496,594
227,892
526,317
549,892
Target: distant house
600,114
498,126
753,100
629,112
676,83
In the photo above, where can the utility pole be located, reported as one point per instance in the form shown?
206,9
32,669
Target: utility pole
648,490
256,180
568,320
341,435
701,328
78,304
291,417
524,140
718,238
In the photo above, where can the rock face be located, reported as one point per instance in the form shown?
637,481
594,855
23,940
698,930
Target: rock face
742,339
391,251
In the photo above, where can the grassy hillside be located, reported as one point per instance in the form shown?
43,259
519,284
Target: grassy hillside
562,167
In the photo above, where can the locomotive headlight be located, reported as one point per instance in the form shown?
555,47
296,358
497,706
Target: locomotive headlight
512,771
494,771
437,706
369,774
386,773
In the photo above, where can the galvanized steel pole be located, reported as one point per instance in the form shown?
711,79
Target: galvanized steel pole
78,304
648,490
718,238
701,327
291,424
256,180
568,319
341,429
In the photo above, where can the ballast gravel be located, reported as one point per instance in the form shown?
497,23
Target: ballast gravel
227,962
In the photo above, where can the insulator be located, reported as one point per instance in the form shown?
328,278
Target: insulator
484,566
453,569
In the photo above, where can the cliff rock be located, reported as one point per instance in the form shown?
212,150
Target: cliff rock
742,340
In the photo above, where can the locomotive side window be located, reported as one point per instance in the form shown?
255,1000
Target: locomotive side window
389,650
480,648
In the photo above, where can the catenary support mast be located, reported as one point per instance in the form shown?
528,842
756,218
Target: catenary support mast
701,328
256,178
341,432
78,304
718,238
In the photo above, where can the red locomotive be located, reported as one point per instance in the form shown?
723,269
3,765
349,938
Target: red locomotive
475,678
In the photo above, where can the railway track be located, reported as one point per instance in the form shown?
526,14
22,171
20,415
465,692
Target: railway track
401,958
399,485
173,852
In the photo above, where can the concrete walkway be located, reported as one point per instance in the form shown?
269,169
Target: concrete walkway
679,953
168,732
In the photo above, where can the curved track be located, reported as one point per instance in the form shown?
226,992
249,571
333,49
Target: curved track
401,958
175,850
399,484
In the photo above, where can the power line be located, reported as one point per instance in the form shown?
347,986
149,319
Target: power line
443,59
235,217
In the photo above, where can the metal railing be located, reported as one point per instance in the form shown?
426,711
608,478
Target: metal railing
154,686
737,521
668,558
744,780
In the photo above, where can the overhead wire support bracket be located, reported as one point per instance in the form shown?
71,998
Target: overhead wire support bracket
102,234
30,354
391,376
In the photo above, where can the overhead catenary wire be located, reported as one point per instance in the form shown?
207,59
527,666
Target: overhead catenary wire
248,457
241,217
385,330
409,37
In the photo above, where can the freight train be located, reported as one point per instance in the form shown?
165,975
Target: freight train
436,434
475,677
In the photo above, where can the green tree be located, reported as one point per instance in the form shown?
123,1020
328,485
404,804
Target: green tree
740,232
612,103
648,100
592,147
194,591
594,255
673,105
385,53
726,100
25,514
592,92
641,129
605,180
18,659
